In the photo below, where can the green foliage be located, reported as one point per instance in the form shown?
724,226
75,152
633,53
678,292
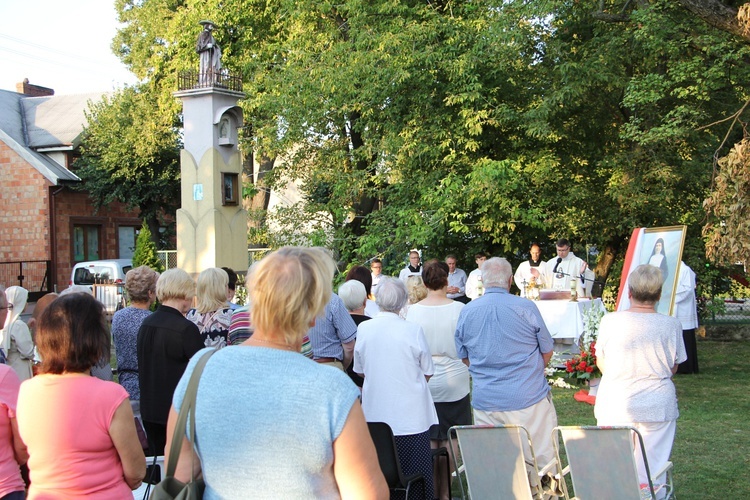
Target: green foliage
458,127
145,251
130,154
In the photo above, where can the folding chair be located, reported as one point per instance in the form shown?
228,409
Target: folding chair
385,446
493,462
601,463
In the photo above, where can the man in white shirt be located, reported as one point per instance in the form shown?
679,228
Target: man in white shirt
474,287
565,267
376,269
534,269
686,310
413,269
456,280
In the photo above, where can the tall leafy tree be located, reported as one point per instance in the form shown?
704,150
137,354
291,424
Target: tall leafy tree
130,154
458,126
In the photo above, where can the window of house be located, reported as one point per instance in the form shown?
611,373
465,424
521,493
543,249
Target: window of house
86,242
126,238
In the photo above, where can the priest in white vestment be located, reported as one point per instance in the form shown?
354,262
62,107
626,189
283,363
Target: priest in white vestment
534,268
566,266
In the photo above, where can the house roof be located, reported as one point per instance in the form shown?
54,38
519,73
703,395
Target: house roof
28,124
56,120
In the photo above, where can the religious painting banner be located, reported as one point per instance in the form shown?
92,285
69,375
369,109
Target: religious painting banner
658,246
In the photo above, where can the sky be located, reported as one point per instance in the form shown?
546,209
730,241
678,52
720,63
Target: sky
60,44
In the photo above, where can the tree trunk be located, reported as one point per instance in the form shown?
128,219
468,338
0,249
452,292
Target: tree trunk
366,203
152,221
719,15
262,198
607,259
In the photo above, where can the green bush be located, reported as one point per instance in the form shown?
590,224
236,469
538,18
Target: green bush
145,251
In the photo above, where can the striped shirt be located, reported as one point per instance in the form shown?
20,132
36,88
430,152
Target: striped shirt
240,328
334,328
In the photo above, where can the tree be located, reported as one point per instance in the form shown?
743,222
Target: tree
728,208
458,126
130,154
726,17
145,251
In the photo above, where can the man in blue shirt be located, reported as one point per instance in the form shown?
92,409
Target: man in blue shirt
456,280
333,335
505,343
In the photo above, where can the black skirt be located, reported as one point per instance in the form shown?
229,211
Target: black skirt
450,414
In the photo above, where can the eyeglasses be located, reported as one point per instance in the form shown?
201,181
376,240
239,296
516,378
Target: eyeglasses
8,307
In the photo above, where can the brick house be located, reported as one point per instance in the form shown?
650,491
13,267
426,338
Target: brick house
45,226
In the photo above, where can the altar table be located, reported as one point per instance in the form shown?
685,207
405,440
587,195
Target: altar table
564,319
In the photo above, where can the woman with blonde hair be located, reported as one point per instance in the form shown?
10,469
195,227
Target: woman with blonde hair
212,315
166,342
79,430
415,290
16,337
304,433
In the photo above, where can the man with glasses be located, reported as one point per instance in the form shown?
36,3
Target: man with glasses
414,268
565,266
376,269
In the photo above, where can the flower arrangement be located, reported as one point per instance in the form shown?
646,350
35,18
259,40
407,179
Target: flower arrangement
550,371
583,366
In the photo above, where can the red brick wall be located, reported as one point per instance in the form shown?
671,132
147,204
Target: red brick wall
24,226
25,231
73,207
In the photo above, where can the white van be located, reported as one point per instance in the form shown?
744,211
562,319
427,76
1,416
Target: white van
109,273
100,271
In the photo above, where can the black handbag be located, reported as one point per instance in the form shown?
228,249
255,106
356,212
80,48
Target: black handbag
170,488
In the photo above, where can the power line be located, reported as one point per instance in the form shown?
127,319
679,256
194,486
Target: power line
77,56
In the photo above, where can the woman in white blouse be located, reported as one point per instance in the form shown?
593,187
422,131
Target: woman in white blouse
449,386
394,358
638,351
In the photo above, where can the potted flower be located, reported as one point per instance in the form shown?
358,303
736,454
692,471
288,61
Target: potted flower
582,366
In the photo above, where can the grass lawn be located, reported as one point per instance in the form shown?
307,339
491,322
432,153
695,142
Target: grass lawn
711,453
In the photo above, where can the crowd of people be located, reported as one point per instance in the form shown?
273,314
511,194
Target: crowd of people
301,370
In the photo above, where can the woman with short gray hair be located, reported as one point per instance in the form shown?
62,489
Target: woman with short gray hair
396,362
638,351
395,296
140,285
354,296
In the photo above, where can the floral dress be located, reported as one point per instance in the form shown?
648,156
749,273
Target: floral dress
213,326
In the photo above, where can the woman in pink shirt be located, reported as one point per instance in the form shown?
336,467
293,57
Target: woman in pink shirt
79,430
12,450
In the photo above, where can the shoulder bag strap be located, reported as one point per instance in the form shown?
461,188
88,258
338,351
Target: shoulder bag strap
188,403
